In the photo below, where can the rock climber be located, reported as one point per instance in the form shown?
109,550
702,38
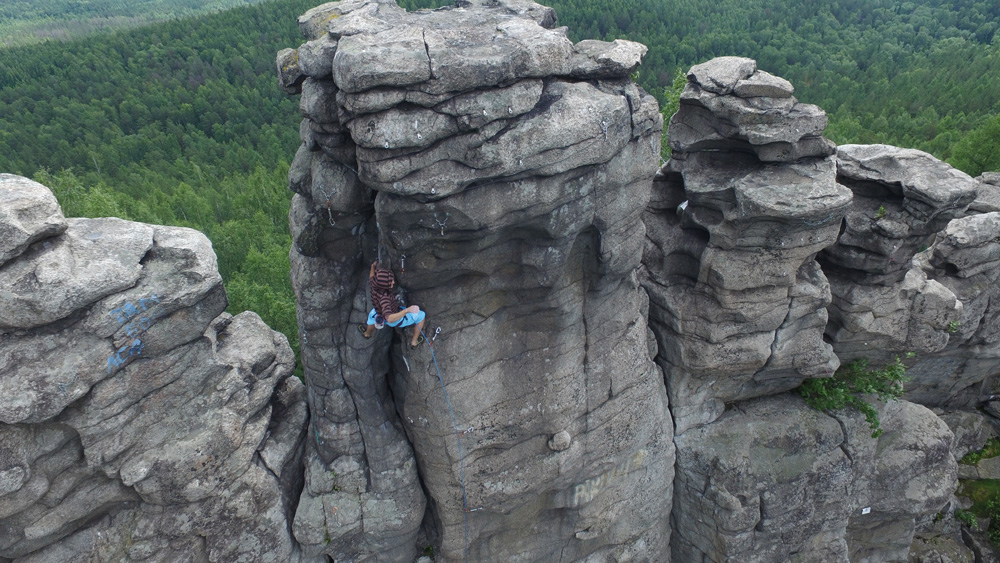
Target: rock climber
386,309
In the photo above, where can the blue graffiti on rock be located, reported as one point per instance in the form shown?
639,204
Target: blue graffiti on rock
138,322
123,354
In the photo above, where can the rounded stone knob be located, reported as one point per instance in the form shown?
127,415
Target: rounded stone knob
560,441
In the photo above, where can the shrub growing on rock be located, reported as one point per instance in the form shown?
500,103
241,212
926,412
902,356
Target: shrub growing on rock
851,383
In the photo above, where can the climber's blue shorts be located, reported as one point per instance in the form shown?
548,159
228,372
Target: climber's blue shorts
407,320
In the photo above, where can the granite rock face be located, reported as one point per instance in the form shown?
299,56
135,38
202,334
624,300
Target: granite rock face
776,480
751,230
914,272
139,421
500,171
738,299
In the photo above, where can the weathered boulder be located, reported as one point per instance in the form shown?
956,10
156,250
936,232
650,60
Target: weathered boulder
775,480
940,549
987,193
730,105
738,301
28,212
971,429
901,198
500,171
139,420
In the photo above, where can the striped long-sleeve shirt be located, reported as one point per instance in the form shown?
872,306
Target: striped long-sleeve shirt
381,292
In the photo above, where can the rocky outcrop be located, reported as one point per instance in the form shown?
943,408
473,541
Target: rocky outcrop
738,300
739,303
987,193
500,171
775,480
914,273
730,105
882,304
139,421
508,178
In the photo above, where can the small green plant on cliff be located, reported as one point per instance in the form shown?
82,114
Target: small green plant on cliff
967,518
953,327
881,212
849,386
990,449
985,497
671,103
993,512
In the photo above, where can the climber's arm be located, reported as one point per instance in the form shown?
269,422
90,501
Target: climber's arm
396,316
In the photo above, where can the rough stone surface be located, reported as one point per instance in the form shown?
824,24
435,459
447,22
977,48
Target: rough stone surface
991,178
901,197
971,429
738,301
980,546
729,105
290,76
987,193
139,421
775,480
28,212
500,171
940,549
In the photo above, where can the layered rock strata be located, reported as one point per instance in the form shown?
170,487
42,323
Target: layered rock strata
739,305
739,302
914,273
139,422
500,171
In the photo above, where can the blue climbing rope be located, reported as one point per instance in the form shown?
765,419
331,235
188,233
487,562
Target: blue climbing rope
461,463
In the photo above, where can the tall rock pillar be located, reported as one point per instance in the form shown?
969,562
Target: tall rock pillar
500,171
739,306
737,218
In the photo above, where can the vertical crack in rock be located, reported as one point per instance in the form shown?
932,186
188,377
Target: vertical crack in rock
430,61
493,151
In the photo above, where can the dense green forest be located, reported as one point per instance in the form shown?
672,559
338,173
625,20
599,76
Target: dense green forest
914,74
182,122
30,21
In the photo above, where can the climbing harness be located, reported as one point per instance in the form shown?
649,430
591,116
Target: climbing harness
458,433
